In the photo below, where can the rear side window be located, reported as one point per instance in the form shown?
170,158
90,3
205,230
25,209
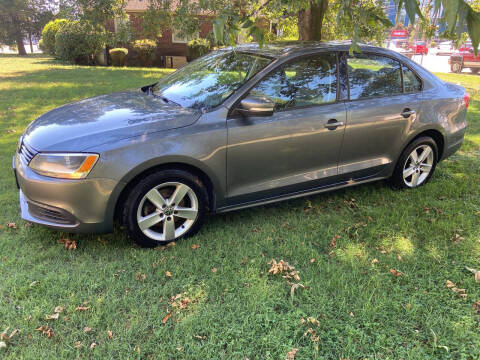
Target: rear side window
304,82
410,81
373,76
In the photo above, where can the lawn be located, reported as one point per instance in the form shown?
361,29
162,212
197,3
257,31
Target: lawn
374,262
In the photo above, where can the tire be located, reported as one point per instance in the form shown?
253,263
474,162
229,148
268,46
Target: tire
186,189
456,67
474,70
405,162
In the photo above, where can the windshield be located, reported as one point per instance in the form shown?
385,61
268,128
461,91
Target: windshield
208,81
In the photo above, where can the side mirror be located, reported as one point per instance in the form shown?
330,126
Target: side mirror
256,106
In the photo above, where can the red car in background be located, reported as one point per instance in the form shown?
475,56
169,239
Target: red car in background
465,57
419,48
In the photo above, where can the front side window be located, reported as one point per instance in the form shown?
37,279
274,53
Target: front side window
373,76
209,80
310,81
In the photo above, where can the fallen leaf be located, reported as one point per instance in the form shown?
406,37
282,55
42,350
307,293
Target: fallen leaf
166,317
45,330
284,268
82,308
291,354
168,273
141,277
374,261
313,321
171,244
352,314
59,309
476,306
453,287
68,244
476,273
457,238
6,337
214,269
12,225
295,287
78,344
195,246
399,257
87,329
92,345
110,334
52,317
312,260
333,242
395,272
200,337
2,344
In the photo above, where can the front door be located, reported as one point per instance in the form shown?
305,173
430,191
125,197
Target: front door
297,147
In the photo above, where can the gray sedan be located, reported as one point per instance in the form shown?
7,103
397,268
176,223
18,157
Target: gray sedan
236,128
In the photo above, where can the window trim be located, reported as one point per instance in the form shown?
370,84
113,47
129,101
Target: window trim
233,114
402,64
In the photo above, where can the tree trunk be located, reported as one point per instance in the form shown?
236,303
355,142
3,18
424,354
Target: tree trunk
21,47
310,20
30,40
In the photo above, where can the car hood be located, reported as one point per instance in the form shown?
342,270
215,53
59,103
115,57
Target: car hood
90,122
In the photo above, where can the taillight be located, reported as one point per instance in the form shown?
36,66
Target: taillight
466,99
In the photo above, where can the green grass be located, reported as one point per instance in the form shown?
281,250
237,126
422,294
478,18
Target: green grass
240,311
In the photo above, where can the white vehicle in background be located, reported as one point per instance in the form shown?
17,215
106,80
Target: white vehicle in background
401,46
444,48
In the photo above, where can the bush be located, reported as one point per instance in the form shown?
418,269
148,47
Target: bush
79,41
118,56
48,35
196,48
145,50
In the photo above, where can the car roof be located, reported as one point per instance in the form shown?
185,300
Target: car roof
286,48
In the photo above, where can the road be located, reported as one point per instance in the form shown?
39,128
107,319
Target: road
435,63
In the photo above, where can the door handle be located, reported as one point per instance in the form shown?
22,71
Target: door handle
406,113
332,124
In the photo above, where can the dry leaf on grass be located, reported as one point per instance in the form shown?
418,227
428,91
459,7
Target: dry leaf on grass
374,261
2,344
312,260
92,345
6,337
59,309
291,354
12,225
214,270
87,329
475,272
110,334
52,317
395,272
284,268
82,308
195,246
68,244
457,238
45,330
166,317
78,344
140,277
295,287
168,273
453,287
333,242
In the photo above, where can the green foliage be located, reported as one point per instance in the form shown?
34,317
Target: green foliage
79,42
49,32
146,51
197,47
118,56
98,12
41,46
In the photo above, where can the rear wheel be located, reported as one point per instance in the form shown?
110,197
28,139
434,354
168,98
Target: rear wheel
474,70
165,206
456,67
416,164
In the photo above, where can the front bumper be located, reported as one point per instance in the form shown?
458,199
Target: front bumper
84,206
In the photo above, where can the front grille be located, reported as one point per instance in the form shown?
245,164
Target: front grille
51,214
26,153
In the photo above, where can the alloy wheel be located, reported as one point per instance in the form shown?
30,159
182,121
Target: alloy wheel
418,166
167,211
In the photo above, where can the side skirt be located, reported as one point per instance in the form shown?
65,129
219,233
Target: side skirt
290,196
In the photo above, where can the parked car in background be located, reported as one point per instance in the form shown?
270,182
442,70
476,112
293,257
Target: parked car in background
236,128
420,47
445,48
465,58
401,46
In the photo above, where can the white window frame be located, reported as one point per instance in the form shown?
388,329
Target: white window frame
180,39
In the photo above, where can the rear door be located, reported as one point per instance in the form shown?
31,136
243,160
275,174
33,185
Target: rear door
385,99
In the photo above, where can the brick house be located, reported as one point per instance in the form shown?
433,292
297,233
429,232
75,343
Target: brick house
169,44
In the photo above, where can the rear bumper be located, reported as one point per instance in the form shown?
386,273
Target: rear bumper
82,206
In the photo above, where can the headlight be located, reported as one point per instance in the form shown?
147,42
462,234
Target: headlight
65,166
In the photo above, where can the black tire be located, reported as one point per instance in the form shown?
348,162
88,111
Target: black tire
456,67
140,189
397,180
474,70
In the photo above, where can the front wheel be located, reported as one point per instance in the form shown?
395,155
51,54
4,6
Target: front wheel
416,164
165,206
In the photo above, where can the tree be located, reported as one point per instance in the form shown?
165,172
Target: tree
20,19
357,19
